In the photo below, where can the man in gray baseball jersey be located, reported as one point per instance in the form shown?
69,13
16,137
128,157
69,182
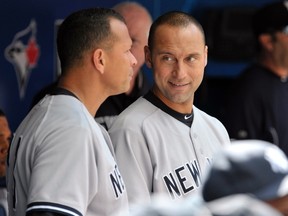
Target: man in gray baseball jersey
61,161
164,144
5,137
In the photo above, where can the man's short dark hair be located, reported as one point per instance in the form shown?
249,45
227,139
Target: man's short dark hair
173,18
83,31
2,113
270,18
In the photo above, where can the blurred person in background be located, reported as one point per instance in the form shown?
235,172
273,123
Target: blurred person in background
233,205
258,108
138,21
251,167
5,138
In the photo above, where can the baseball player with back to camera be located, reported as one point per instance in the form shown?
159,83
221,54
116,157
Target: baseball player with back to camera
164,144
61,161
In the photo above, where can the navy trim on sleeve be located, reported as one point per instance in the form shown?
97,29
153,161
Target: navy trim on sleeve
52,207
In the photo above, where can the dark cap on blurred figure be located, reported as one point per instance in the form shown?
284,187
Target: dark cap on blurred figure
250,167
271,18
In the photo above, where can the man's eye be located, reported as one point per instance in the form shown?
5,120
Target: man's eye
167,58
191,59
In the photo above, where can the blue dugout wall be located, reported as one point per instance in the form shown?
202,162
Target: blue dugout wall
27,44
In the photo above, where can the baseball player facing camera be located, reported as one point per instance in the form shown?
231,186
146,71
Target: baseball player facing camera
164,144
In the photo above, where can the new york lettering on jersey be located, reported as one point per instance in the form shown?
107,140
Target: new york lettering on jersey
117,182
183,179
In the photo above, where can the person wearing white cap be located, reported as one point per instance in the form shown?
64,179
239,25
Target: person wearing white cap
251,167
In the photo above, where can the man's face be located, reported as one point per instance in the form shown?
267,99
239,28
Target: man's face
280,49
138,28
119,60
5,136
178,59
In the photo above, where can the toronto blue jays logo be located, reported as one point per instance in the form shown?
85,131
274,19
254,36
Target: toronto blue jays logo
23,53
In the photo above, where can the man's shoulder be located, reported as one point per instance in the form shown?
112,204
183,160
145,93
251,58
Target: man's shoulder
135,113
140,106
255,72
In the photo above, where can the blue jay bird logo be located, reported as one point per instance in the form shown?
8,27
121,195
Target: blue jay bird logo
23,53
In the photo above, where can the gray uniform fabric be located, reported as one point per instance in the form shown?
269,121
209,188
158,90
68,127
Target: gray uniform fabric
157,153
240,205
61,161
234,205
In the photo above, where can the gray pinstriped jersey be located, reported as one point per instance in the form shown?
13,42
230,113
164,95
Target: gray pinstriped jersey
157,153
60,161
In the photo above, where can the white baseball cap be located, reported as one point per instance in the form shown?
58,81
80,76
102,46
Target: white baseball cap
248,166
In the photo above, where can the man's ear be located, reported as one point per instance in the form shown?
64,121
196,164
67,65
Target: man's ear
99,60
266,41
206,54
148,57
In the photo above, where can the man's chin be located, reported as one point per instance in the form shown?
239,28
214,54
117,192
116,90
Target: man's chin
2,173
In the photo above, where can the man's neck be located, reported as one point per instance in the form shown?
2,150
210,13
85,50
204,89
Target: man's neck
278,70
132,84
